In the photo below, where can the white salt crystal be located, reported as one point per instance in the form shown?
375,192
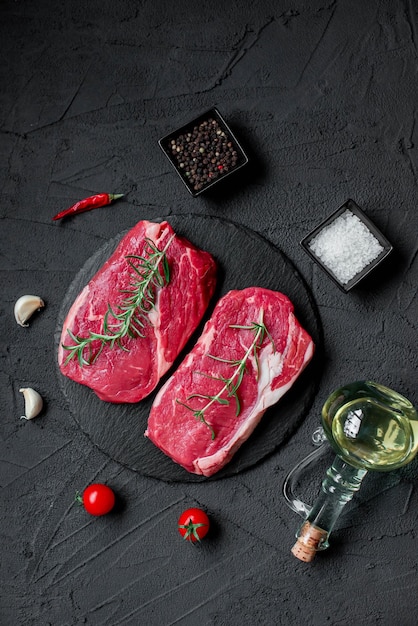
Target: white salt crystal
346,246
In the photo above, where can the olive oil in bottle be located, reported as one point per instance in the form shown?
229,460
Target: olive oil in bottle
370,426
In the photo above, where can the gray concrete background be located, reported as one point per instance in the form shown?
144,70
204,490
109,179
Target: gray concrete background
323,95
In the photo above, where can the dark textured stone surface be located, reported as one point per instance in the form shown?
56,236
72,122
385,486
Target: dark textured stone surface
323,97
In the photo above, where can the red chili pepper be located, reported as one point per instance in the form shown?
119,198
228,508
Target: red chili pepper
92,202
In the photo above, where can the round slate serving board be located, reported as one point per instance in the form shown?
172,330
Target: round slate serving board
244,259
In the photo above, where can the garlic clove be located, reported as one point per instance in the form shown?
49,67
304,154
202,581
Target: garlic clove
33,403
25,307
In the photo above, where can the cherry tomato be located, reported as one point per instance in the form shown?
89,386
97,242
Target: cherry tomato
193,525
98,499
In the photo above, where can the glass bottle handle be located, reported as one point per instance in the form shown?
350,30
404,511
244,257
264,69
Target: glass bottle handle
293,501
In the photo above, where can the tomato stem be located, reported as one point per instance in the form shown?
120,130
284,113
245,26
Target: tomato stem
191,531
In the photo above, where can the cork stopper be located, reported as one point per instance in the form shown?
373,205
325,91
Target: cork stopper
309,540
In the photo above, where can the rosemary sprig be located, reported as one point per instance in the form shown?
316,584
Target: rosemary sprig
231,385
131,315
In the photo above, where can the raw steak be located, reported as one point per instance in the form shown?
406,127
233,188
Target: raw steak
204,444
130,374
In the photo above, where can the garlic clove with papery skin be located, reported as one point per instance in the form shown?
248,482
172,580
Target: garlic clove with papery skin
33,403
25,307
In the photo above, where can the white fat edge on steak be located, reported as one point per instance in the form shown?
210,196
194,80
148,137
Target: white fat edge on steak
154,316
270,366
69,321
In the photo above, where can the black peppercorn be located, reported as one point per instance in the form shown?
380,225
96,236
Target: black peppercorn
204,154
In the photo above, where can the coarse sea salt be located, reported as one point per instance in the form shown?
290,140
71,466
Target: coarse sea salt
346,246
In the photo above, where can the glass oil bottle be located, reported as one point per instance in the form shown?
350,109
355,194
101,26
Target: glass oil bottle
370,427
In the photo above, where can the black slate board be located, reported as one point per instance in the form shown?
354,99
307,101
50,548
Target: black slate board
244,259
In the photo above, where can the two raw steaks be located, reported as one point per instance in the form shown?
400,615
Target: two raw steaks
249,354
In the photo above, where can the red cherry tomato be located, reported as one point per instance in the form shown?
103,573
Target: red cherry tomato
98,499
193,525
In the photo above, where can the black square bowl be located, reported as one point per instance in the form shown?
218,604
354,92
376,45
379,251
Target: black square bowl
353,208
204,151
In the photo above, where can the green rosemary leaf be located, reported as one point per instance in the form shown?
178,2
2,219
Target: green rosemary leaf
73,337
166,270
241,371
218,358
271,340
198,395
184,404
200,416
207,397
122,347
237,405
81,358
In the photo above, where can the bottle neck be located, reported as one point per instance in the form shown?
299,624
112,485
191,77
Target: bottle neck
342,481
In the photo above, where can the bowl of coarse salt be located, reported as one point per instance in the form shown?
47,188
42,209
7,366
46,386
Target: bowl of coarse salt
347,245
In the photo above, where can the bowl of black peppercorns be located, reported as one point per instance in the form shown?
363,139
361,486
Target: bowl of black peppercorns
204,151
